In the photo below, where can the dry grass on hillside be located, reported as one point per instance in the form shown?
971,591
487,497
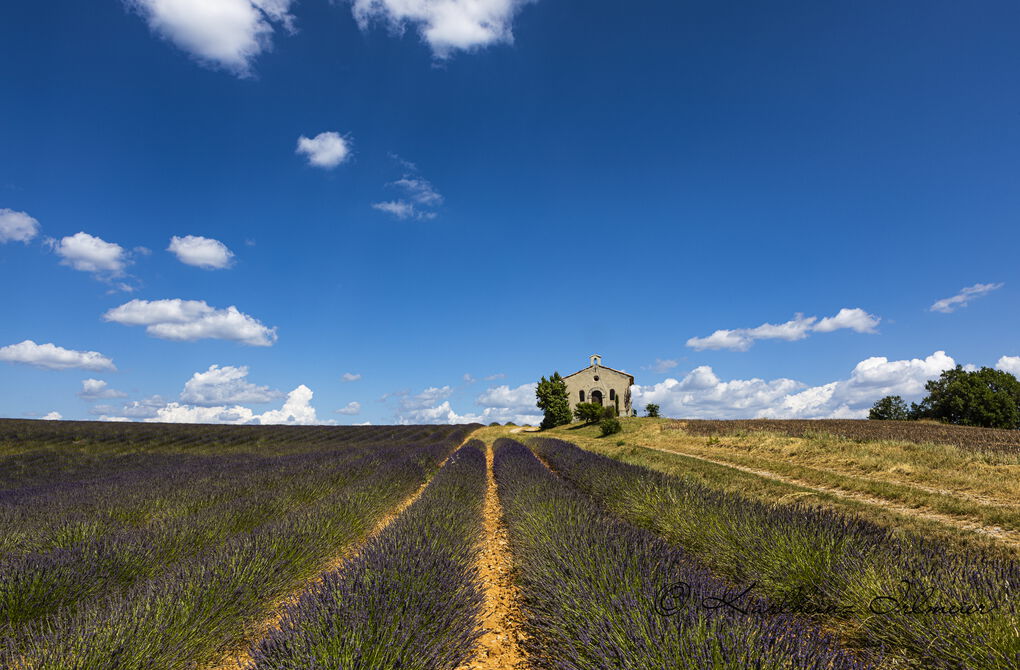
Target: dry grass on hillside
980,489
919,432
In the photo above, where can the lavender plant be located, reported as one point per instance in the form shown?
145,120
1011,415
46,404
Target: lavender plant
930,604
37,583
176,589
599,593
410,600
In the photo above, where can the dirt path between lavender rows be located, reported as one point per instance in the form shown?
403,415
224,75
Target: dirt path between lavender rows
240,658
499,647
1002,535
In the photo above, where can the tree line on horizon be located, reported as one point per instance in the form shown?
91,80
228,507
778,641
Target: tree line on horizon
986,398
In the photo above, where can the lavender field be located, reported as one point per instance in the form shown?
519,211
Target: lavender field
228,548
160,547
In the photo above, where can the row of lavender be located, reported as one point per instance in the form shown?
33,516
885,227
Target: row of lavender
92,541
931,605
178,560
33,453
600,594
410,600
94,489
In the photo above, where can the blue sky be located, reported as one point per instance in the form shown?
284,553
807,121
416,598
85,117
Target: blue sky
213,211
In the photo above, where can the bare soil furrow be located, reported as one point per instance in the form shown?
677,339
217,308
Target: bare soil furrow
499,647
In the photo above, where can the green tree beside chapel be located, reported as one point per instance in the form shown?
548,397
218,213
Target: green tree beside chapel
589,412
551,395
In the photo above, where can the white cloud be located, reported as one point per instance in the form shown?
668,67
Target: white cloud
440,414
468,379
446,25
418,199
520,398
855,319
178,413
325,150
870,380
426,398
419,190
503,415
425,407
701,394
223,386
297,410
188,320
222,33
53,416
406,164
17,226
498,375
52,357
146,408
397,208
88,253
797,328
348,377
662,365
1010,364
96,389
504,404
403,210
352,408
201,252
961,299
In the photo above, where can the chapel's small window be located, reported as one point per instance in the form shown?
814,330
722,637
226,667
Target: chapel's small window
582,395
612,394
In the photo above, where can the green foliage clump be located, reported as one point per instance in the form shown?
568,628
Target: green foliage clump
986,397
552,400
889,408
652,410
589,412
610,425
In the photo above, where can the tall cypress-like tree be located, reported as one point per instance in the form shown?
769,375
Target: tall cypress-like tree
552,400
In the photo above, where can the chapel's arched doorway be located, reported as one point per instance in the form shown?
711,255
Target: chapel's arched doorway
596,397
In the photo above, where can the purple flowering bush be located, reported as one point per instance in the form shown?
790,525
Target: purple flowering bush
410,600
599,593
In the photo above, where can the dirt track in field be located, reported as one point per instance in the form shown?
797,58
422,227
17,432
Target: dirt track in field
240,658
1006,537
499,648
